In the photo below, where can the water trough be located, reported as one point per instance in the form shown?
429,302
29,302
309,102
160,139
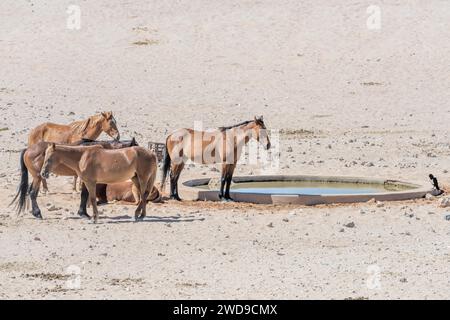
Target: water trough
307,190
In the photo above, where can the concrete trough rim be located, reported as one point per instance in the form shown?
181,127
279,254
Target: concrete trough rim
418,190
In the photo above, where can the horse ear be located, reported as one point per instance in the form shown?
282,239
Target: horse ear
104,115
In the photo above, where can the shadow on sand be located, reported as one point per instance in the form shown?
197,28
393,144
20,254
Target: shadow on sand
164,219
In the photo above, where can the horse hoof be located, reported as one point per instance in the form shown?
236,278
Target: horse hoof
37,214
83,214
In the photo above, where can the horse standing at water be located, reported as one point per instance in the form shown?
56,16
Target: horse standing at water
209,147
90,129
95,164
32,160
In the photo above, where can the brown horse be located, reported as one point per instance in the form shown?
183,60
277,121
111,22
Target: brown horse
93,165
209,147
123,191
32,160
90,129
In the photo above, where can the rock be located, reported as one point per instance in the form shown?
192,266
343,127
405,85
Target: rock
53,208
444,203
350,225
289,149
37,239
361,211
447,217
380,204
270,225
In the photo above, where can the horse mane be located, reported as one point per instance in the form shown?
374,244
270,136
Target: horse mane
82,125
236,125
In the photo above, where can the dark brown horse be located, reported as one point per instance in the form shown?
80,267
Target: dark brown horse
32,160
90,129
94,164
208,147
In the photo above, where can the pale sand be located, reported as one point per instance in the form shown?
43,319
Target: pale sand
368,97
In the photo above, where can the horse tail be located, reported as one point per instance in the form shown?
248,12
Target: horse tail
166,166
22,190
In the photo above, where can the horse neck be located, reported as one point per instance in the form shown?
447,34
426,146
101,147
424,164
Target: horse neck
93,131
248,134
70,157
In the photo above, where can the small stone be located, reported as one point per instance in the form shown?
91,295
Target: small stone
447,217
37,239
350,225
380,204
428,196
361,211
444,203
270,225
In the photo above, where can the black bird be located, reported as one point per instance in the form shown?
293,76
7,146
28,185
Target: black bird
435,183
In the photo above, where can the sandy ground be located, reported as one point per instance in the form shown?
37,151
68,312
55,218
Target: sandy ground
350,101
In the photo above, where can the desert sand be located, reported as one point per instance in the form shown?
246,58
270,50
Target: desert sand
349,100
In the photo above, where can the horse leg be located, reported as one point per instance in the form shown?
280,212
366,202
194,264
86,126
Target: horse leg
137,195
44,185
223,180
147,188
82,212
34,191
74,185
174,176
80,184
228,178
135,190
93,199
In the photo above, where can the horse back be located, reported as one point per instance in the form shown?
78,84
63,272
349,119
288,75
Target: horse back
50,132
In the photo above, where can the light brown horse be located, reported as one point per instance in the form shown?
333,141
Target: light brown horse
91,128
209,147
32,160
94,165
124,192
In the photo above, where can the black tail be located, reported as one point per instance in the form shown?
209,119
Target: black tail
166,167
22,191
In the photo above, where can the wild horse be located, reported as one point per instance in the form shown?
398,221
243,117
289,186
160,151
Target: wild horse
94,164
32,160
208,147
90,129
